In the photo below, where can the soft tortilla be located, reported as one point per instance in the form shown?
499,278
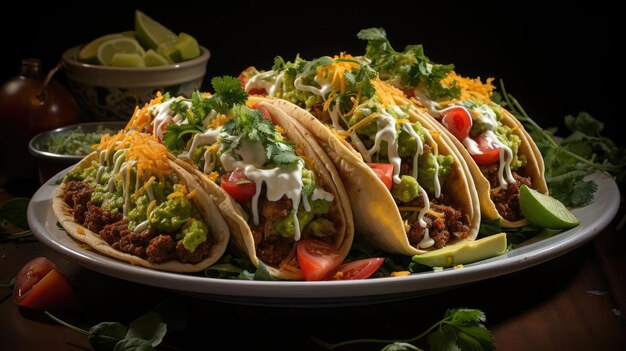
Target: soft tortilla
327,178
219,231
376,214
534,164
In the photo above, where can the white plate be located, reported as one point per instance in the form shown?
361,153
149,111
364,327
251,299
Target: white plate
593,217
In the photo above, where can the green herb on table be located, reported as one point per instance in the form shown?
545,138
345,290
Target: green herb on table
143,334
460,329
14,212
570,159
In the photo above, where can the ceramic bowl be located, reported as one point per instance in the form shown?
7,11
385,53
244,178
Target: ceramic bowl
107,93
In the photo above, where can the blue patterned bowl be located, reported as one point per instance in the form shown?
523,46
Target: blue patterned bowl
107,93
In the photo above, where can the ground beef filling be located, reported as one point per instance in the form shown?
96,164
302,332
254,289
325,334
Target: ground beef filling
112,228
271,248
452,224
506,200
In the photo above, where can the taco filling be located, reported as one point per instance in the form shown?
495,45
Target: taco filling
132,199
349,98
241,150
464,107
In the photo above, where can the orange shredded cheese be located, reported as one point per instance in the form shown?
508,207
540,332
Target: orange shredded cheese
362,122
150,156
400,273
219,121
213,176
471,88
193,193
336,71
151,207
417,209
386,93
142,117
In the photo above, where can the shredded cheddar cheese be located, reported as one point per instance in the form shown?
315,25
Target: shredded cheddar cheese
386,93
142,117
150,157
417,209
213,176
337,71
192,194
471,89
151,207
400,273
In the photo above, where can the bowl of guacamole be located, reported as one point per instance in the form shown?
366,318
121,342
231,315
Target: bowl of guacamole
59,148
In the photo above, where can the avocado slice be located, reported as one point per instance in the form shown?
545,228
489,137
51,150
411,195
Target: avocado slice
465,252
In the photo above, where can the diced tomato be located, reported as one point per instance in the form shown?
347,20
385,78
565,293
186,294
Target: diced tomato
409,92
361,269
384,171
237,185
244,77
39,285
490,151
266,112
163,132
317,259
458,121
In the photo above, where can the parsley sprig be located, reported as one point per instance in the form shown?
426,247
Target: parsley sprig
411,65
460,329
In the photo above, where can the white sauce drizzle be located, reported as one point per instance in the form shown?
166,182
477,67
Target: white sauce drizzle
387,132
260,81
426,241
279,181
420,146
489,118
322,194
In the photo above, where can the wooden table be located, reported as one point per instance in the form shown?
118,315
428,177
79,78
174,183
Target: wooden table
574,302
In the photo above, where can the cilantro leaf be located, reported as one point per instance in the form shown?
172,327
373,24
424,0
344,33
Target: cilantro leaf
372,34
411,66
279,63
228,93
200,108
460,329
568,161
176,136
249,124
311,67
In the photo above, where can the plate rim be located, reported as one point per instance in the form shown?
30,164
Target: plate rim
345,292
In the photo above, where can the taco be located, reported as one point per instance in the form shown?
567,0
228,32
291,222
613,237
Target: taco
500,153
276,187
127,200
409,189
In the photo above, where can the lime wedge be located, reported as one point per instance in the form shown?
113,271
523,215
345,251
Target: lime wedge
545,211
127,60
151,58
187,46
168,51
89,52
151,33
123,45
129,34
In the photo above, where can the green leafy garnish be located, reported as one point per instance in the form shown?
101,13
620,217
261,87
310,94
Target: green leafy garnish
569,160
460,329
144,333
14,212
411,66
249,124
228,93
231,267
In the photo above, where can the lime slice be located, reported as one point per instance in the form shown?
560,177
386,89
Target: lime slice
129,34
151,58
545,211
187,46
168,51
89,52
123,45
127,60
151,33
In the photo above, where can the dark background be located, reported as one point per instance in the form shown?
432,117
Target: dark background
555,63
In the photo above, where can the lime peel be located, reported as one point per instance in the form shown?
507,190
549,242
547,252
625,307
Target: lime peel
545,211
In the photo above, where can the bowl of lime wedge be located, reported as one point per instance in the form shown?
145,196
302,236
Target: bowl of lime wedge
113,73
